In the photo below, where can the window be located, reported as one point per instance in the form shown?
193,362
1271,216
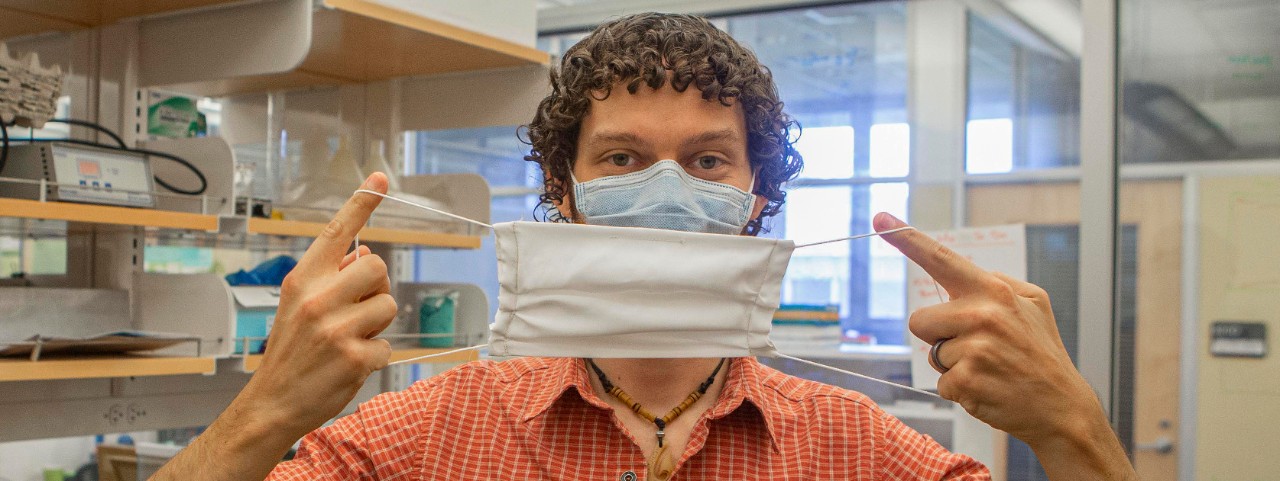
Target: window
827,151
1024,100
842,72
989,146
890,150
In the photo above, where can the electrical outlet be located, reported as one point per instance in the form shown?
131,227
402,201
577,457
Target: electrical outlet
135,412
115,414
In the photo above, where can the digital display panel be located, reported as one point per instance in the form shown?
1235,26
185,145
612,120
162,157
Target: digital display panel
89,168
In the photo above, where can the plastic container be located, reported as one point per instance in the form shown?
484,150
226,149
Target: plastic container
436,315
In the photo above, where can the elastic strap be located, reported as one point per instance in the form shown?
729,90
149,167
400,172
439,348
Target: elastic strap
356,237
854,237
863,376
438,354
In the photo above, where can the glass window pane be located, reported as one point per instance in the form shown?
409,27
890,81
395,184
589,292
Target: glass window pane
838,67
865,277
989,146
827,151
887,269
890,150
1023,96
494,153
1200,80
818,275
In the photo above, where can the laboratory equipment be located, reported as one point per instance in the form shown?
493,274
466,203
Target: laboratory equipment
78,173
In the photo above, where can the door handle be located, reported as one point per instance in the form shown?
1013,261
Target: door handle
1162,445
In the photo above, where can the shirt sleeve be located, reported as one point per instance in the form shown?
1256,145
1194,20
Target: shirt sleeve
909,455
337,451
382,440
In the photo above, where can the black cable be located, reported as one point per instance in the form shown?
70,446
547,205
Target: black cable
4,146
94,126
204,183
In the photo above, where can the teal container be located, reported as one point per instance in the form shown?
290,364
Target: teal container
253,323
436,316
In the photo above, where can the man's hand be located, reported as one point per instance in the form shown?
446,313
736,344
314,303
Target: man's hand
1005,363
320,352
321,348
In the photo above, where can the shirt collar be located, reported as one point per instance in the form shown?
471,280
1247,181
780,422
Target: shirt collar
562,374
745,383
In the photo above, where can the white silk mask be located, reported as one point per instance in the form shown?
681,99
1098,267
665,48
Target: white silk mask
575,290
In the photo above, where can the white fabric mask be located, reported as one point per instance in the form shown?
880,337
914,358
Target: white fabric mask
575,290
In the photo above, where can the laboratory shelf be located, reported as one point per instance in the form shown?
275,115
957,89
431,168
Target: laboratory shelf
104,214
87,367
28,17
342,42
368,234
360,41
252,361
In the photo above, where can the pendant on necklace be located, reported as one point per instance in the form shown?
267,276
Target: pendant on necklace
661,466
662,426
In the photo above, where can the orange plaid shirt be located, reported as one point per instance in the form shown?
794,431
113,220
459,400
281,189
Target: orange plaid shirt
520,419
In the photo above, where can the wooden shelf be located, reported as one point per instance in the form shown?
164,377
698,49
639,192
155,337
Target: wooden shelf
27,17
252,361
359,41
103,214
352,41
368,234
86,367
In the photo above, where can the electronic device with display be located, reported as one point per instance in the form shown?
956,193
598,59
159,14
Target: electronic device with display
79,173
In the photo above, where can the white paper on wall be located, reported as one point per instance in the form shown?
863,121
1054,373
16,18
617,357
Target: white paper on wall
997,248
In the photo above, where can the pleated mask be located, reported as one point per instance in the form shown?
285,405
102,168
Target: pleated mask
593,291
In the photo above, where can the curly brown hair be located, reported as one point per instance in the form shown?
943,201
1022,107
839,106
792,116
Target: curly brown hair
653,49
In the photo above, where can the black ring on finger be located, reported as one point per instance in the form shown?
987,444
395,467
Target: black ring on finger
933,355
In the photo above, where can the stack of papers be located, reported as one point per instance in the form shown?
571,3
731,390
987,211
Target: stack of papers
107,343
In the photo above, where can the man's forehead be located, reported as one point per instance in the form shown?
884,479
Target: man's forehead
623,113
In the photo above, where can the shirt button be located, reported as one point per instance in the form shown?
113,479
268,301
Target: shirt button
628,476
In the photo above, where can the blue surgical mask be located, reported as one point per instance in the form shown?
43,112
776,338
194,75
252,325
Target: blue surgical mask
664,196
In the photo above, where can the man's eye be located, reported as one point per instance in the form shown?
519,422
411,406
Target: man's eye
708,162
620,160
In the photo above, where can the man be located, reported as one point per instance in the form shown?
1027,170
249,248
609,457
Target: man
644,96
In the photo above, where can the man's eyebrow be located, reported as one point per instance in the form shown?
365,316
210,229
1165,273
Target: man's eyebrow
711,136
614,137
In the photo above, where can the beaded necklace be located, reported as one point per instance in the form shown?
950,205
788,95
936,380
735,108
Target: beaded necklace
660,463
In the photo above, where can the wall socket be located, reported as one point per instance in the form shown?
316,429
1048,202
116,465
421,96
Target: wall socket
120,414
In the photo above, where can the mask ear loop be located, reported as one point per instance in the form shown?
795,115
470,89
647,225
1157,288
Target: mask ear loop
863,376
851,373
438,354
356,238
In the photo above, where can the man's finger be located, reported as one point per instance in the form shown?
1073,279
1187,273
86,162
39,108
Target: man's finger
370,316
351,257
942,321
364,278
326,252
949,353
952,271
379,353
